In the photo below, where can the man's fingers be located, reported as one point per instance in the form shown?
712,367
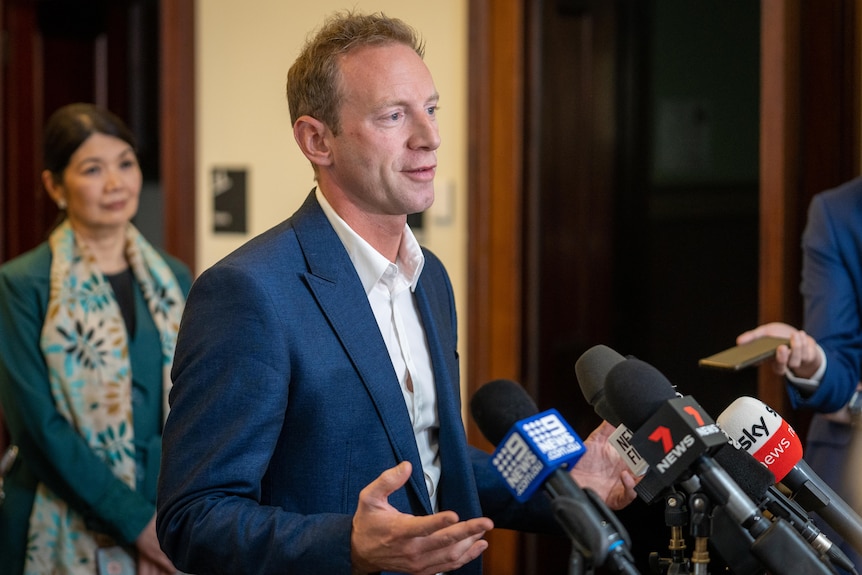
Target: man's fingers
774,329
444,527
746,337
387,483
456,530
386,539
752,334
431,544
451,546
457,557
782,355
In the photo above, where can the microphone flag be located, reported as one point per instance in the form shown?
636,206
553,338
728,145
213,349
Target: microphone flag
763,433
673,438
532,449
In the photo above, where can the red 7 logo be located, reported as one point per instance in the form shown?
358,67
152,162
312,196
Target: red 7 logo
694,413
662,434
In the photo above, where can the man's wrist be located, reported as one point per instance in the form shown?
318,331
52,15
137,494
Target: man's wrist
808,385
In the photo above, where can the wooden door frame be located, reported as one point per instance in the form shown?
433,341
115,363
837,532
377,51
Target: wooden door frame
178,128
495,174
779,176
176,124
801,154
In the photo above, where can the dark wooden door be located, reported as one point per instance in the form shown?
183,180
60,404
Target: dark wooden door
133,57
565,250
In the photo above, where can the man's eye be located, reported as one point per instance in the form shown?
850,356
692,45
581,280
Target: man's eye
395,116
432,110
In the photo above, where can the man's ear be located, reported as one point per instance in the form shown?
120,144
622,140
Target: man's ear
311,135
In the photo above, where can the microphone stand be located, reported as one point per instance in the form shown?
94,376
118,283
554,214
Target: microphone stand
697,515
818,497
675,517
576,562
602,542
701,529
776,545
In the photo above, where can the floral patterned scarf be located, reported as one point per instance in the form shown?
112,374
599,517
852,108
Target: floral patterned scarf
84,343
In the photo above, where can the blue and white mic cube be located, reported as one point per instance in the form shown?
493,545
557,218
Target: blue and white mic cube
533,449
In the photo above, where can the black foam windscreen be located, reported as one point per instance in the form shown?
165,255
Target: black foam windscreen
751,475
498,405
592,369
635,390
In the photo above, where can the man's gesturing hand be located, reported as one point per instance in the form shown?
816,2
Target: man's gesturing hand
384,539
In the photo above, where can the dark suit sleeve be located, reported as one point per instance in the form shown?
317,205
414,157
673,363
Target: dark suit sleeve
228,406
534,516
831,290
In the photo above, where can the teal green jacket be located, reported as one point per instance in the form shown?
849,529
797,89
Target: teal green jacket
50,450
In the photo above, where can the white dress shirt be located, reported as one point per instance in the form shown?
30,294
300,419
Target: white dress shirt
389,287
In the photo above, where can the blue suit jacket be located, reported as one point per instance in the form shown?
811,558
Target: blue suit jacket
285,405
832,290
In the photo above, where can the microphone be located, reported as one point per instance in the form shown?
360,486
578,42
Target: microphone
758,483
772,441
591,370
534,450
676,437
755,480
674,434
729,540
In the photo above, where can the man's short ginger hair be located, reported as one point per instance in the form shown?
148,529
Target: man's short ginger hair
313,80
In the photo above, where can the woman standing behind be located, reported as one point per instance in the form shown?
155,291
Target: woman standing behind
88,322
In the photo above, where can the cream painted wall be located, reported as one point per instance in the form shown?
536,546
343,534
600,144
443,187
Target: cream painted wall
244,50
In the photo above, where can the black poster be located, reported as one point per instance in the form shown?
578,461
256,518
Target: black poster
229,200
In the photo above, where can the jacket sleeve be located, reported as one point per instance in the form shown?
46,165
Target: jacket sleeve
231,385
533,516
830,288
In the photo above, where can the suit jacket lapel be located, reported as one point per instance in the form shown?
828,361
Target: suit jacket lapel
457,491
336,287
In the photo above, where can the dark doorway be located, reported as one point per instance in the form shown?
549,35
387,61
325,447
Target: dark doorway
604,250
133,57
642,205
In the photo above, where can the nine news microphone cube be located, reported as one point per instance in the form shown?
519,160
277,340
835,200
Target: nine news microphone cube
533,449
675,436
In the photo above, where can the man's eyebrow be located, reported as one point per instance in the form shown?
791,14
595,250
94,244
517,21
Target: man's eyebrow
435,97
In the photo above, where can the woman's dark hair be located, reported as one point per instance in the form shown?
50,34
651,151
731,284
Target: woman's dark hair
69,126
